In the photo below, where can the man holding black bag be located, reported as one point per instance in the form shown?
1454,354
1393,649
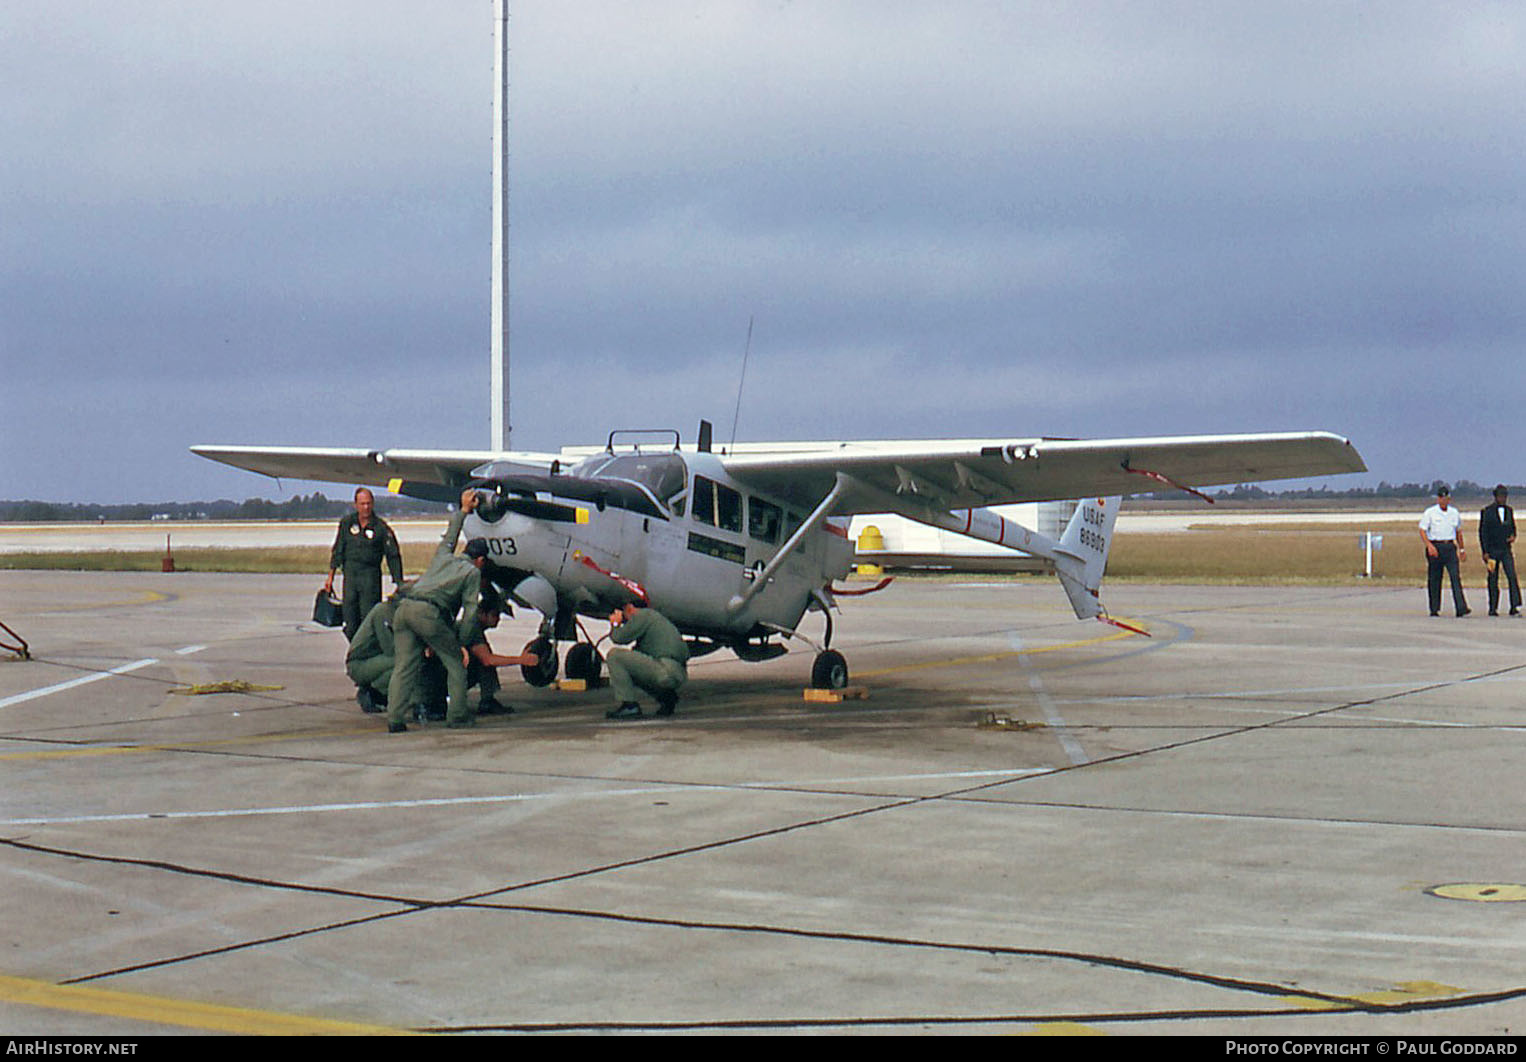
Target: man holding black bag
363,541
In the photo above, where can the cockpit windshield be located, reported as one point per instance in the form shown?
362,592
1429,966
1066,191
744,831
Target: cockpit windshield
663,473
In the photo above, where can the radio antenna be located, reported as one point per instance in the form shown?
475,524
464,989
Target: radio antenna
736,416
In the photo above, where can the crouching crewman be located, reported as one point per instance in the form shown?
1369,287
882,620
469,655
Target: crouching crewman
369,659
426,617
657,661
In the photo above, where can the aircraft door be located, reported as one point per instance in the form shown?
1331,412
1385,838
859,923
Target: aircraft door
703,560
769,526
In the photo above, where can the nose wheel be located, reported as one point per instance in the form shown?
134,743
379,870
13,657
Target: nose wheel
584,662
543,673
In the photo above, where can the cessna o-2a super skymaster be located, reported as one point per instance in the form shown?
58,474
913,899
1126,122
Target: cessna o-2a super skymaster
736,547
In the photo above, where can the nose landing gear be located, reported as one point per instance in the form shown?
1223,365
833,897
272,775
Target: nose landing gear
543,673
583,662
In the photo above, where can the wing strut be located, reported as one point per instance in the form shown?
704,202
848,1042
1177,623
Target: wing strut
812,522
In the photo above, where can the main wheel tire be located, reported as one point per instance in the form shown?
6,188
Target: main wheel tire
544,671
830,671
584,662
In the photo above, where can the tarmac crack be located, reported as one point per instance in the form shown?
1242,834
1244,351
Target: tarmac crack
1329,1002
1332,1003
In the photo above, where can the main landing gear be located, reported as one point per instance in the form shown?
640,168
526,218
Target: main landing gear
829,671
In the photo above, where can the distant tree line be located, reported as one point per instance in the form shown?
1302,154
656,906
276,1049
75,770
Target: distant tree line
1462,488
317,507
302,507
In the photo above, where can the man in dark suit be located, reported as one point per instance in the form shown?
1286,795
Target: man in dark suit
1496,534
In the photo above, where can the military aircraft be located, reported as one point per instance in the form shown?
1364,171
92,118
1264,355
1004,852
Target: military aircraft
737,546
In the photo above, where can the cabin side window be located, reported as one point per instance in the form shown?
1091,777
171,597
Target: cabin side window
717,505
703,497
764,520
728,507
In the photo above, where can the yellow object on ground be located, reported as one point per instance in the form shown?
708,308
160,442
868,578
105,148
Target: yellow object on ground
231,686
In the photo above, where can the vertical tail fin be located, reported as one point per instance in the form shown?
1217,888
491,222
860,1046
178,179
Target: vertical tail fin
1082,557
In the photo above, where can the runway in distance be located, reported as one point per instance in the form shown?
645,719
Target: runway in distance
736,547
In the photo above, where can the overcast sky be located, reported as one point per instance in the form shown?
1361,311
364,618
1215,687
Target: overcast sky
269,224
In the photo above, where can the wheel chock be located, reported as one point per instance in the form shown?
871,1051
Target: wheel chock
572,686
847,693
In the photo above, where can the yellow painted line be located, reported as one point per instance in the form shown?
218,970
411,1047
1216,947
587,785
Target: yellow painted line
1004,655
147,597
1406,991
1309,1003
1063,1028
1403,992
1498,892
157,1010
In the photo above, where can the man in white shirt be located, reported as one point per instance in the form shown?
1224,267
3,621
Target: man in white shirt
1441,530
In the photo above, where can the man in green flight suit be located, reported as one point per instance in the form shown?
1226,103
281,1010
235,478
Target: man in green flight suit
369,660
363,541
657,662
427,616
482,663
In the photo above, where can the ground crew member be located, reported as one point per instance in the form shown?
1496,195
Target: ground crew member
482,663
656,663
364,539
369,660
1441,530
1496,536
427,617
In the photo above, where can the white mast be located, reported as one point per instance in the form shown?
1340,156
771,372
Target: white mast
502,429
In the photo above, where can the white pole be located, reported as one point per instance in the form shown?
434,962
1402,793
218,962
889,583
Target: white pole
502,429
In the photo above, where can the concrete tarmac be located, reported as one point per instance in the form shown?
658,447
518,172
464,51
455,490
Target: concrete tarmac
1291,812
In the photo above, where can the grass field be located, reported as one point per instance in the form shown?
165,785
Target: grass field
1250,554
1275,554
298,559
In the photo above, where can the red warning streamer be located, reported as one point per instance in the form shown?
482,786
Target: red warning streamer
629,584
868,590
1104,618
1167,481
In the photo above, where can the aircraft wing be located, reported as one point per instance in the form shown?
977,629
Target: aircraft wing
435,474
975,473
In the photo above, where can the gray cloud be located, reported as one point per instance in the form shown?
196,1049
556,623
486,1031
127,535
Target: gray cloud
270,225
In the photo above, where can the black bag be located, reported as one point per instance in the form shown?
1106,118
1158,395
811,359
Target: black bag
328,610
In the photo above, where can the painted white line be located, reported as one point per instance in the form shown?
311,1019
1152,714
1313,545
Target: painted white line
34,694
1052,715
189,649
1214,695
380,805
1011,772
